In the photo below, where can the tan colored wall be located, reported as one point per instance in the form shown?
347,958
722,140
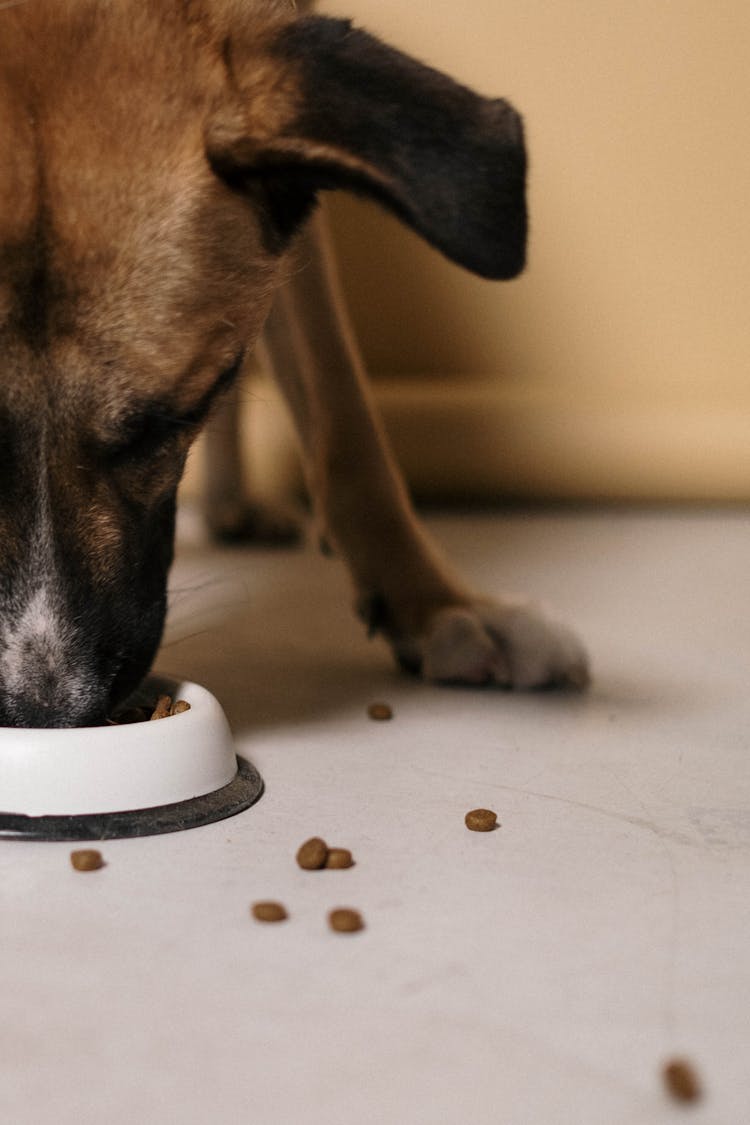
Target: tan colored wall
619,365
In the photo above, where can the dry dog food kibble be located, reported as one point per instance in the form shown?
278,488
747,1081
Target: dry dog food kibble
268,911
345,921
681,1081
165,708
86,859
162,708
339,858
380,712
312,854
481,820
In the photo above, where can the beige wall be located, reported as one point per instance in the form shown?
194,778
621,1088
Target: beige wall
619,365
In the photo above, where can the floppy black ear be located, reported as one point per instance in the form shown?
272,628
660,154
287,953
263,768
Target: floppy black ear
321,105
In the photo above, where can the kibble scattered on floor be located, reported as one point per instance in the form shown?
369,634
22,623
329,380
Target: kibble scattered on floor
312,855
339,858
87,859
344,920
481,820
380,712
681,1080
268,912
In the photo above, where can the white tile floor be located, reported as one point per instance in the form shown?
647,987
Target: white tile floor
537,975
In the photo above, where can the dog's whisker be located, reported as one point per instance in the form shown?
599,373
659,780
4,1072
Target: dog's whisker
215,613
171,642
209,583
177,596
238,596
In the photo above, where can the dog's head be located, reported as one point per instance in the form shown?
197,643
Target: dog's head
156,159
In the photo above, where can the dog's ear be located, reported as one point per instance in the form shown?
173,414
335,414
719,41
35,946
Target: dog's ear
318,105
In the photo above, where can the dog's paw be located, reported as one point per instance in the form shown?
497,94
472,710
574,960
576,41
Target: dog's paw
512,644
254,523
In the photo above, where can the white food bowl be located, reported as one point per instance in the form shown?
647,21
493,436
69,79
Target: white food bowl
134,779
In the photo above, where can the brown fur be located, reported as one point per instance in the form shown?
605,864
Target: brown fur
121,279
156,157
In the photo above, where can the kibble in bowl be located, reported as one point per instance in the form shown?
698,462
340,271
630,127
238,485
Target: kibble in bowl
162,708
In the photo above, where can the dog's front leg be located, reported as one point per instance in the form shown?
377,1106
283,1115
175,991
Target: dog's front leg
232,513
404,588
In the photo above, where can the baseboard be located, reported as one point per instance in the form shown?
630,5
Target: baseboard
487,441
480,440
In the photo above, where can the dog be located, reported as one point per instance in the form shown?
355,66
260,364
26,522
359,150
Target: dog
160,162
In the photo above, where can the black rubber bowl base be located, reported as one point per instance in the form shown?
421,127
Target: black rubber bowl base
242,792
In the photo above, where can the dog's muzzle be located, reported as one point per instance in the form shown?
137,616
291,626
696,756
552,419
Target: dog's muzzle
47,678
71,669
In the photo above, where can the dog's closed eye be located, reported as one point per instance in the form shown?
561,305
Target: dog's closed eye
143,435
154,425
